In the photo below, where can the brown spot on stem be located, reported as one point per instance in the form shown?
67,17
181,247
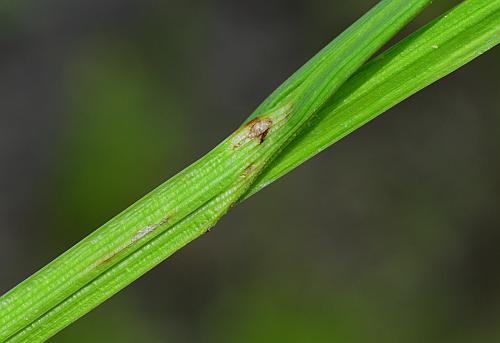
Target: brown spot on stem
108,258
248,170
139,235
257,129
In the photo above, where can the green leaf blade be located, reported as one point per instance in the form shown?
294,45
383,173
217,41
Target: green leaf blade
372,90
431,53
173,202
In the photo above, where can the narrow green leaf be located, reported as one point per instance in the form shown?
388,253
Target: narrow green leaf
434,51
188,204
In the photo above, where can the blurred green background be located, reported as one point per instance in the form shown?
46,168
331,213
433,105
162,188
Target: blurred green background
392,235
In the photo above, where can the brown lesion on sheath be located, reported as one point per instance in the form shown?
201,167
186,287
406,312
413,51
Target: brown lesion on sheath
256,129
107,259
249,170
148,229
259,127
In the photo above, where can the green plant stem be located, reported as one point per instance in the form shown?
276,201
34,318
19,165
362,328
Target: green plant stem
188,204
434,51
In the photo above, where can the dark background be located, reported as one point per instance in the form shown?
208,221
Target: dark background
392,235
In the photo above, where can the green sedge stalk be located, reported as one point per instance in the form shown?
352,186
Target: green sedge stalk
434,51
305,115
238,160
